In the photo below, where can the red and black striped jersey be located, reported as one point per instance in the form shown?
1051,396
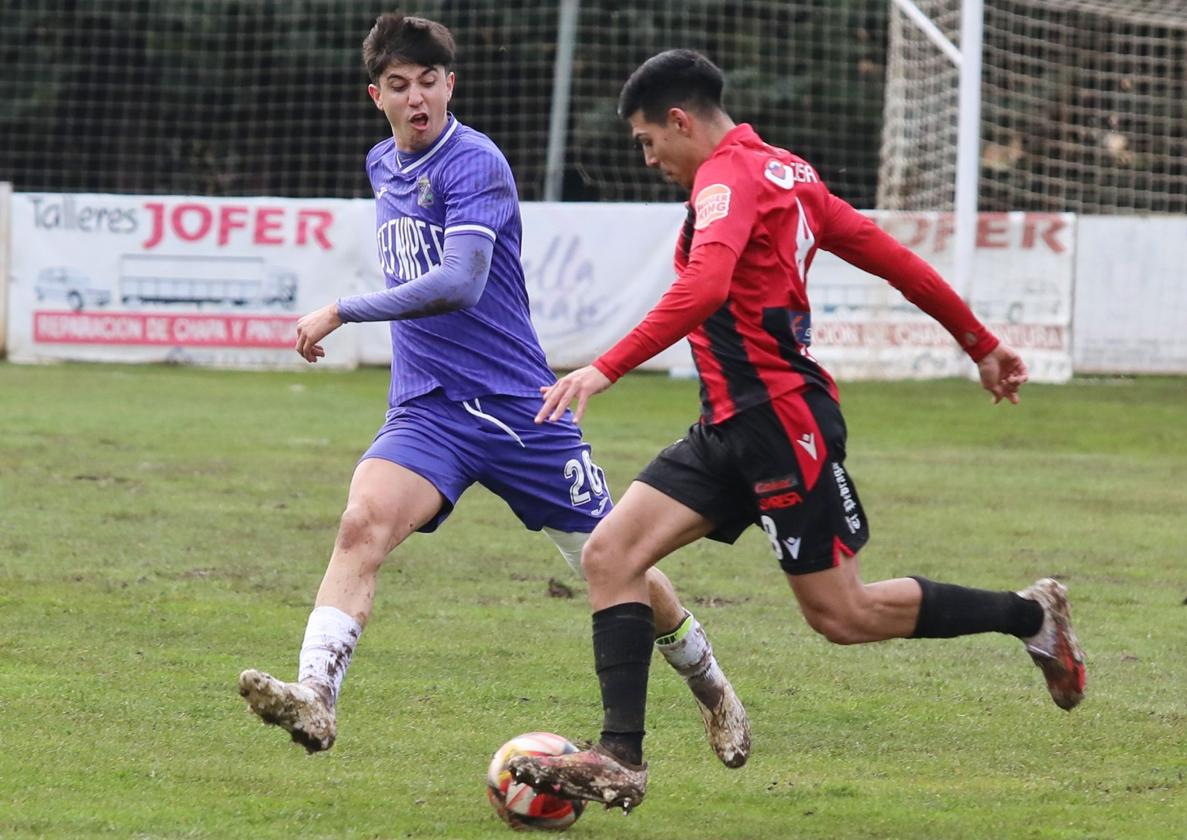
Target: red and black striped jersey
758,216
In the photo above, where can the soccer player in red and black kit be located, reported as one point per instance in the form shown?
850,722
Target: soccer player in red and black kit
770,445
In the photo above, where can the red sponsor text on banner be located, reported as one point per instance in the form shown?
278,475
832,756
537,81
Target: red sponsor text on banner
218,224
137,328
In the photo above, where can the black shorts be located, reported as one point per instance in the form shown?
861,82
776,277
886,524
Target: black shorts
779,465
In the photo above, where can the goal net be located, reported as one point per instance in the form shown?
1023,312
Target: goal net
1084,108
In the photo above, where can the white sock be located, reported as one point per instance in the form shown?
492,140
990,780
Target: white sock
330,638
687,649
570,544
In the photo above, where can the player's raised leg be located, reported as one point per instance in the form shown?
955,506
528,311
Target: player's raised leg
838,605
643,528
387,502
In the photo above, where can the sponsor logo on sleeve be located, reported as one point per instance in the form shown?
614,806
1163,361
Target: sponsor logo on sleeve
713,203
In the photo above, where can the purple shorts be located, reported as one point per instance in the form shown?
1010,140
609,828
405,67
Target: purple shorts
543,472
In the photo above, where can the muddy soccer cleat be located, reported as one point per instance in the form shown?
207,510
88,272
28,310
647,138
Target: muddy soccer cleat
1055,648
593,774
726,722
295,707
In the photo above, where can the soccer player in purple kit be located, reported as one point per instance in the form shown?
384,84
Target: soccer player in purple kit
467,369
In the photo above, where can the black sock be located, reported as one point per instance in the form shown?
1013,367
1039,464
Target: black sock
947,611
623,636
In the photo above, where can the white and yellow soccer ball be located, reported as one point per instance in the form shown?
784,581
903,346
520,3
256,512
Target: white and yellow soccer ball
517,804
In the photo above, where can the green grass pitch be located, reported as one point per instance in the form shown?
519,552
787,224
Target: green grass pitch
163,528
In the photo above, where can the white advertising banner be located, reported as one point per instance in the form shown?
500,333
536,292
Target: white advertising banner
1131,294
223,281
863,328
185,279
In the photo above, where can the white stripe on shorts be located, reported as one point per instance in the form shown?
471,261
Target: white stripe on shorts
477,412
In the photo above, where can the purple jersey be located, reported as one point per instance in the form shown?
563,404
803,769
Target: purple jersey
460,184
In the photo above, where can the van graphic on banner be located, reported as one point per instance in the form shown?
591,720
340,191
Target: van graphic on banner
161,279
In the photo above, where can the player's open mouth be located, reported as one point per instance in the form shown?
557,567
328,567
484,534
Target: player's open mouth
420,120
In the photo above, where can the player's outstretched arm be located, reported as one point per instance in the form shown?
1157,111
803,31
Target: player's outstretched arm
313,327
578,385
1002,373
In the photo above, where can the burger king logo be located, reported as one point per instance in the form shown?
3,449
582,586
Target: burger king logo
713,203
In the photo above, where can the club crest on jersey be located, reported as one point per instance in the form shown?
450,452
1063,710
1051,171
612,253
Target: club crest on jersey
424,192
713,203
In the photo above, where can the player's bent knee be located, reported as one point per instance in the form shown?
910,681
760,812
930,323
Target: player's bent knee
360,528
601,561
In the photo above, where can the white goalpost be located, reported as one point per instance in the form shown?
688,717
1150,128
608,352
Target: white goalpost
5,244
967,60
